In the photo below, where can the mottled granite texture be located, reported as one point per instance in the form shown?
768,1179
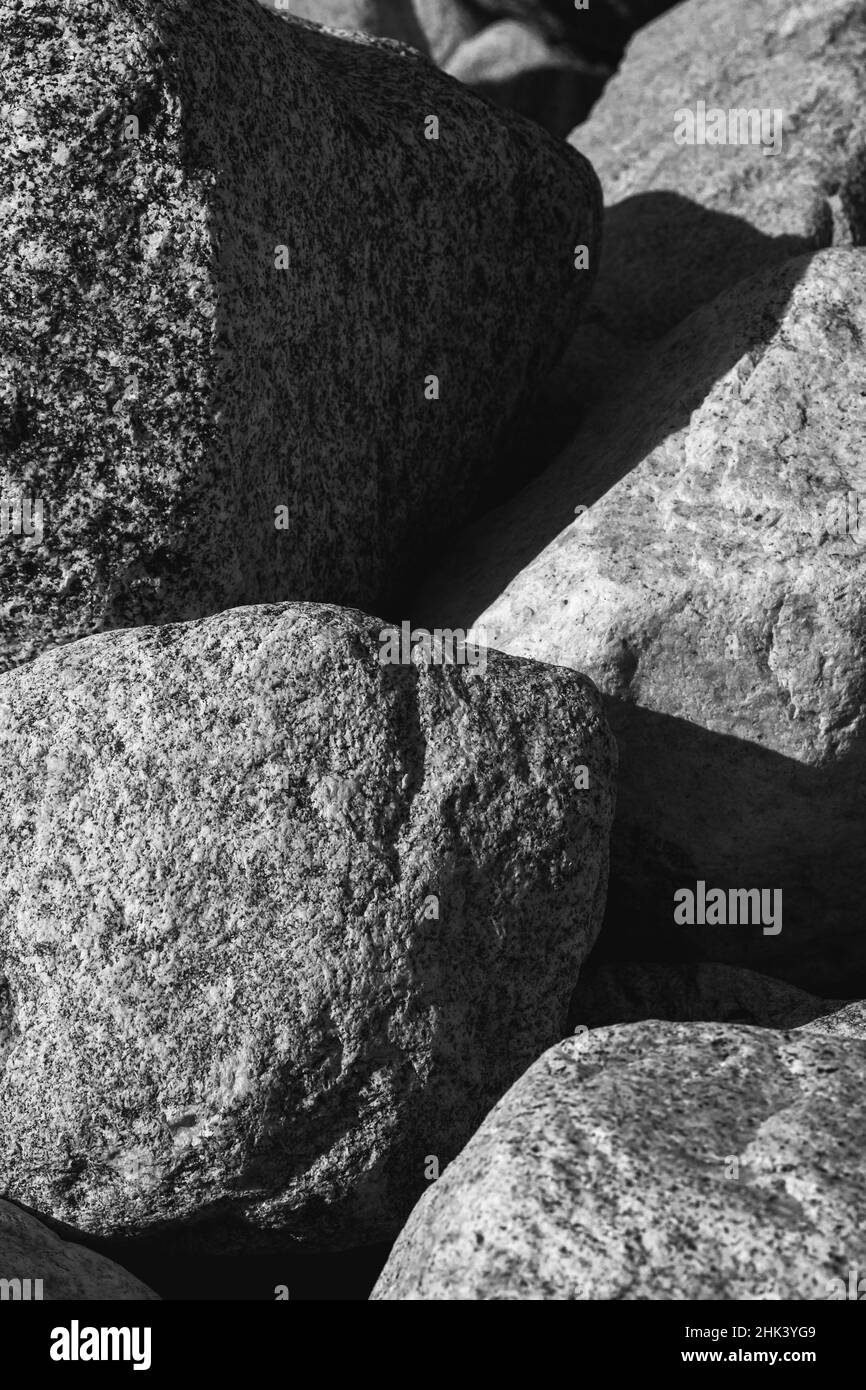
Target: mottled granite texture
165,385
29,1251
277,921
655,1161
713,587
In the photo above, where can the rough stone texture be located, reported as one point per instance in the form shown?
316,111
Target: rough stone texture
684,223
602,28
434,27
613,992
849,1021
516,66
606,1173
164,387
228,996
28,1250
715,597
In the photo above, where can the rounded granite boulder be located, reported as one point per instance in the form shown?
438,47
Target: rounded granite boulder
280,919
655,1161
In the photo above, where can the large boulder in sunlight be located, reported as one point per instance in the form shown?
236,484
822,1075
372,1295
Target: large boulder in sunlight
279,920
659,1162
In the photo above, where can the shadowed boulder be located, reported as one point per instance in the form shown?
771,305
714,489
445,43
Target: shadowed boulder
262,338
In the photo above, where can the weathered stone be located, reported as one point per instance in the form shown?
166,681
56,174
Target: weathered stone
231,266
684,223
516,66
36,1265
279,922
611,992
714,589
655,1161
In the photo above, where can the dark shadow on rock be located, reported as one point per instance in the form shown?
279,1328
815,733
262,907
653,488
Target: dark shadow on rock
664,255
555,97
345,1277
615,992
182,1272
752,819
613,439
601,30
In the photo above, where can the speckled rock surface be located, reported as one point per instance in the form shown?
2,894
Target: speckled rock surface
516,66
613,992
434,27
654,1161
603,27
847,1021
166,385
685,222
291,919
28,1250
714,593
